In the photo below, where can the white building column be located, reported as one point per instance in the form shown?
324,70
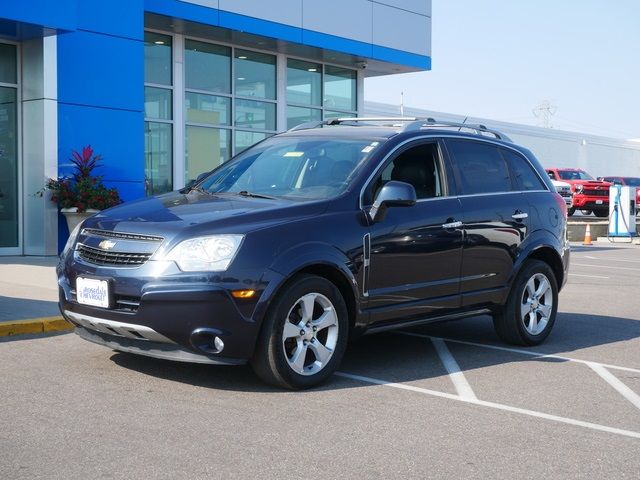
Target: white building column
39,141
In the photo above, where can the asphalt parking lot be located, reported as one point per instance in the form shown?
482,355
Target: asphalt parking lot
440,401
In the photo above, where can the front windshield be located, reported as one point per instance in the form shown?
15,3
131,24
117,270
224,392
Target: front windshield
575,175
296,168
632,181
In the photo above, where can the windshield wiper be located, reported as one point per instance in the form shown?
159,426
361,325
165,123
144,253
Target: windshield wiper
245,193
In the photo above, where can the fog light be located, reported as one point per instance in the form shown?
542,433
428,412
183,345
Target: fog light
243,293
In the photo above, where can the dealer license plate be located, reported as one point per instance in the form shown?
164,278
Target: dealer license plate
598,202
90,291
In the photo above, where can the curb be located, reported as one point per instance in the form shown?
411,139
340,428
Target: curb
34,325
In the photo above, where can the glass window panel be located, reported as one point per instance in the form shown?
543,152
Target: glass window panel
157,103
206,149
339,88
202,108
298,115
252,114
255,74
158,165
207,67
304,82
244,140
335,114
480,166
8,65
9,168
157,58
525,176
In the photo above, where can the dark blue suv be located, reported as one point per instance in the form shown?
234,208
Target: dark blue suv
318,235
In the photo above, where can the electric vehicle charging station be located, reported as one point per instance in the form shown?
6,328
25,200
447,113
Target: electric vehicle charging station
622,211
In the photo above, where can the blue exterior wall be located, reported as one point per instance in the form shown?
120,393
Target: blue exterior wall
101,92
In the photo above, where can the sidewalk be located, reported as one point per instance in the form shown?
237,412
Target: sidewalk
29,296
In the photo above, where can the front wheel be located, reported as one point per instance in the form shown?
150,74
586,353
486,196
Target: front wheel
304,335
530,311
571,211
601,212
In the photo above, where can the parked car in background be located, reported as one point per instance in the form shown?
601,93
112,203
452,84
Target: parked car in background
629,182
564,190
589,194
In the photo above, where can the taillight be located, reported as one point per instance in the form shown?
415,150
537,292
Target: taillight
561,204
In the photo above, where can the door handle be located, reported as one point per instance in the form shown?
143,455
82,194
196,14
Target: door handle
452,225
520,215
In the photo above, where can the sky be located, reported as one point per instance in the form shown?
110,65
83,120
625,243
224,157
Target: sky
500,59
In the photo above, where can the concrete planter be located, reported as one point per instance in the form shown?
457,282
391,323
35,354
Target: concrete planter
74,218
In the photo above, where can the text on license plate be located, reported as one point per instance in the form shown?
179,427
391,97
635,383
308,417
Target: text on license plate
90,291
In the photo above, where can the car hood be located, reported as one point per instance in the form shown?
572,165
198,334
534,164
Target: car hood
196,213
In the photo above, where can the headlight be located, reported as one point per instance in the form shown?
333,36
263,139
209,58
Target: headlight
213,253
71,241
579,188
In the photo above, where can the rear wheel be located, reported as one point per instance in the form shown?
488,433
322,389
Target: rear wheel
530,311
585,212
304,335
601,212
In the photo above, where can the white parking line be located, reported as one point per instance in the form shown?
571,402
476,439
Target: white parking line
616,383
455,373
573,264
611,259
523,352
497,406
588,276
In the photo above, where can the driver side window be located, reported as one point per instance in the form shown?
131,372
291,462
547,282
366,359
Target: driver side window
418,166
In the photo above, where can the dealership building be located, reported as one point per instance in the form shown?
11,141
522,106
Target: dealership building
167,89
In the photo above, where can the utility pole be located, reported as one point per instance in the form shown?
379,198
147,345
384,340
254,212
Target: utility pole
544,111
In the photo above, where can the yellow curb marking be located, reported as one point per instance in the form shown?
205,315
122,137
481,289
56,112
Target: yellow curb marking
34,325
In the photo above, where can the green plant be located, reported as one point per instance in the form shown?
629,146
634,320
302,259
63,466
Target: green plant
82,189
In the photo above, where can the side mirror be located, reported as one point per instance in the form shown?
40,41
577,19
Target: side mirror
392,194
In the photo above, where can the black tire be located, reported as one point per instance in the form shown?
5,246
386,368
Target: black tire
571,211
270,359
585,212
509,323
601,212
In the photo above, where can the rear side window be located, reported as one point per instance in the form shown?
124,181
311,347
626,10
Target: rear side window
525,176
480,166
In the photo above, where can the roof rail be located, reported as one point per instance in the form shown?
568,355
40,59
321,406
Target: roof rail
431,122
350,120
412,124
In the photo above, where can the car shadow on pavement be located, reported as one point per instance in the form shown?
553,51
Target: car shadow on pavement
13,308
395,357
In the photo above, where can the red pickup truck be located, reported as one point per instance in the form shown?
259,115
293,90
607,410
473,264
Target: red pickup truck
589,194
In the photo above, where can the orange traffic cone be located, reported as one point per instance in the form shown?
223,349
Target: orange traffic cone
587,236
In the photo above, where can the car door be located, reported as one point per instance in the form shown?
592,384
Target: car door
495,216
415,252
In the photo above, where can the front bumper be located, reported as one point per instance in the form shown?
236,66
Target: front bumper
584,202
165,313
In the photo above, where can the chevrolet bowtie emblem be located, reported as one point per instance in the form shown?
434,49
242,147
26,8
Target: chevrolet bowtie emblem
107,244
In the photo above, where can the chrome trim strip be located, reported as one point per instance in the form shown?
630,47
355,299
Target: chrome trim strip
111,327
366,254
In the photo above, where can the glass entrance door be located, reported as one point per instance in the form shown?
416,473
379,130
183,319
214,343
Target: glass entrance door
9,165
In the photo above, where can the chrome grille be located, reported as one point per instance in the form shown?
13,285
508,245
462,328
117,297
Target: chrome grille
104,257
122,235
